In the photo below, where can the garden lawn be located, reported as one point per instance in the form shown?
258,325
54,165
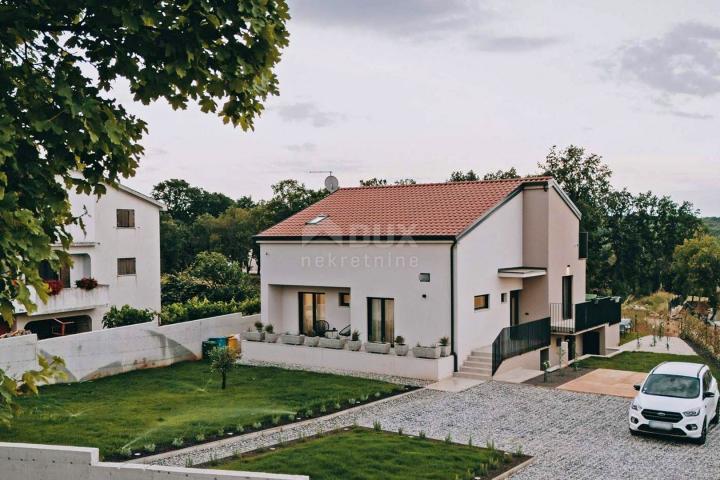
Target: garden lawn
642,361
180,401
363,454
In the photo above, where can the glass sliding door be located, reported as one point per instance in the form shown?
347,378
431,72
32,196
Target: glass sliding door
312,310
381,319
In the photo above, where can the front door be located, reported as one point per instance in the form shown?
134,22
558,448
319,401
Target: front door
514,307
312,310
381,320
591,343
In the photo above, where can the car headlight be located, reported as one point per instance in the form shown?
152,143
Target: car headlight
692,413
635,406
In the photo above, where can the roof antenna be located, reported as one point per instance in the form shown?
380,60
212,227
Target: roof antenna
331,182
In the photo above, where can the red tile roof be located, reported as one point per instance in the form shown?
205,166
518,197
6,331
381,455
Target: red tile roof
424,210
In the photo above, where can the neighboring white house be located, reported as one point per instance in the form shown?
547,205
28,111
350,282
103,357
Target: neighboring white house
498,267
120,248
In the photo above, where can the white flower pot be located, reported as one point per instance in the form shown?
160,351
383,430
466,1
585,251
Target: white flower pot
336,343
312,341
254,336
401,350
291,339
377,347
444,350
354,345
426,352
271,337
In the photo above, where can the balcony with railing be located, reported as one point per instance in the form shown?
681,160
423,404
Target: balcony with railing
519,339
68,300
585,316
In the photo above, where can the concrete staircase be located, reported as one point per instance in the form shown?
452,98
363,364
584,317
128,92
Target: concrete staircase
477,365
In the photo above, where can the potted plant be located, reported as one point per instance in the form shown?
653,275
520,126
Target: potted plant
354,344
87,283
432,351
377,347
292,338
400,348
270,335
253,335
54,286
444,346
311,339
336,343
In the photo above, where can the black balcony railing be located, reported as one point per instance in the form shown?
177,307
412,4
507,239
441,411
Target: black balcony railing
590,314
519,339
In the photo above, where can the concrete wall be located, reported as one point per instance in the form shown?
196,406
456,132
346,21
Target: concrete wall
496,243
528,361
390,364
564,228
386,270
20,461
111,351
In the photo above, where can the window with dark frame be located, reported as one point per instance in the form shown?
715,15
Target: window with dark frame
126,266
344,299
482,301
125,218
567,305
424,277
503,297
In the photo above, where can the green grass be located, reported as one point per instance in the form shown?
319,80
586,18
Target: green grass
363,454
642,361
183,400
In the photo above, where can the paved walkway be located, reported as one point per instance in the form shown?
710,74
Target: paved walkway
677,346
572,435
606,381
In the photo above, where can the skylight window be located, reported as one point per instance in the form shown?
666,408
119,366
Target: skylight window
317,219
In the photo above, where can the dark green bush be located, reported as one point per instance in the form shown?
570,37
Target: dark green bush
126,315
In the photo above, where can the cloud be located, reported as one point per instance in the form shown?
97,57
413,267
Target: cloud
308,112
306,147
686,60
510,44
410,18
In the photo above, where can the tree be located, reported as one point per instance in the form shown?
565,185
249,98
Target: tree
460,176
222,361
289,197
502,174
175,245
696,268
185,203
382,182
60,127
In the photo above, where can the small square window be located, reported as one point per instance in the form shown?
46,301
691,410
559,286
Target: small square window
482,302
125,218
503,297
424,277
344,299
126,266
317,219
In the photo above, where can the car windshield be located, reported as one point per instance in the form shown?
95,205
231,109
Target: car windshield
672,386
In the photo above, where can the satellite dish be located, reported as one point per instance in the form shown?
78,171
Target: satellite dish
331,183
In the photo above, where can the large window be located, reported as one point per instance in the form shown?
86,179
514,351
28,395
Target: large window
47,273
312,310
125,218
126,266
482,302
381,319
567,297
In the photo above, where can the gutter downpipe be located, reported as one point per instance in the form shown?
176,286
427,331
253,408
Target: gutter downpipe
453,351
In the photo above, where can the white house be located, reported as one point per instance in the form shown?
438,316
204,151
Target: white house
498,267
119,248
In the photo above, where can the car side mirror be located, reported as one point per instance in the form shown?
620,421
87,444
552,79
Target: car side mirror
637,387
708,394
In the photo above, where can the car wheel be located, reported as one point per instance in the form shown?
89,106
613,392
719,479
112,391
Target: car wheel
716,418
703,434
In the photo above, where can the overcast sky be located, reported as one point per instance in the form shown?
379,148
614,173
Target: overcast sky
419,88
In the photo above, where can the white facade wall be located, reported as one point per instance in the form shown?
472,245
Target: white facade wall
111,351
385,270
24,461
95,252
495,243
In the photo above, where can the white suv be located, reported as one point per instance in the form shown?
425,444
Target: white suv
678,399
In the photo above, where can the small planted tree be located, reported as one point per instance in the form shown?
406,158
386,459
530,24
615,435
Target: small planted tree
222,360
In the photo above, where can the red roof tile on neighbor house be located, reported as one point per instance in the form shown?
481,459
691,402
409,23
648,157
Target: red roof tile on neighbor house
430,209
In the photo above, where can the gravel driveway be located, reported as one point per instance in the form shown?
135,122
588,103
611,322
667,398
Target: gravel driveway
572,435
